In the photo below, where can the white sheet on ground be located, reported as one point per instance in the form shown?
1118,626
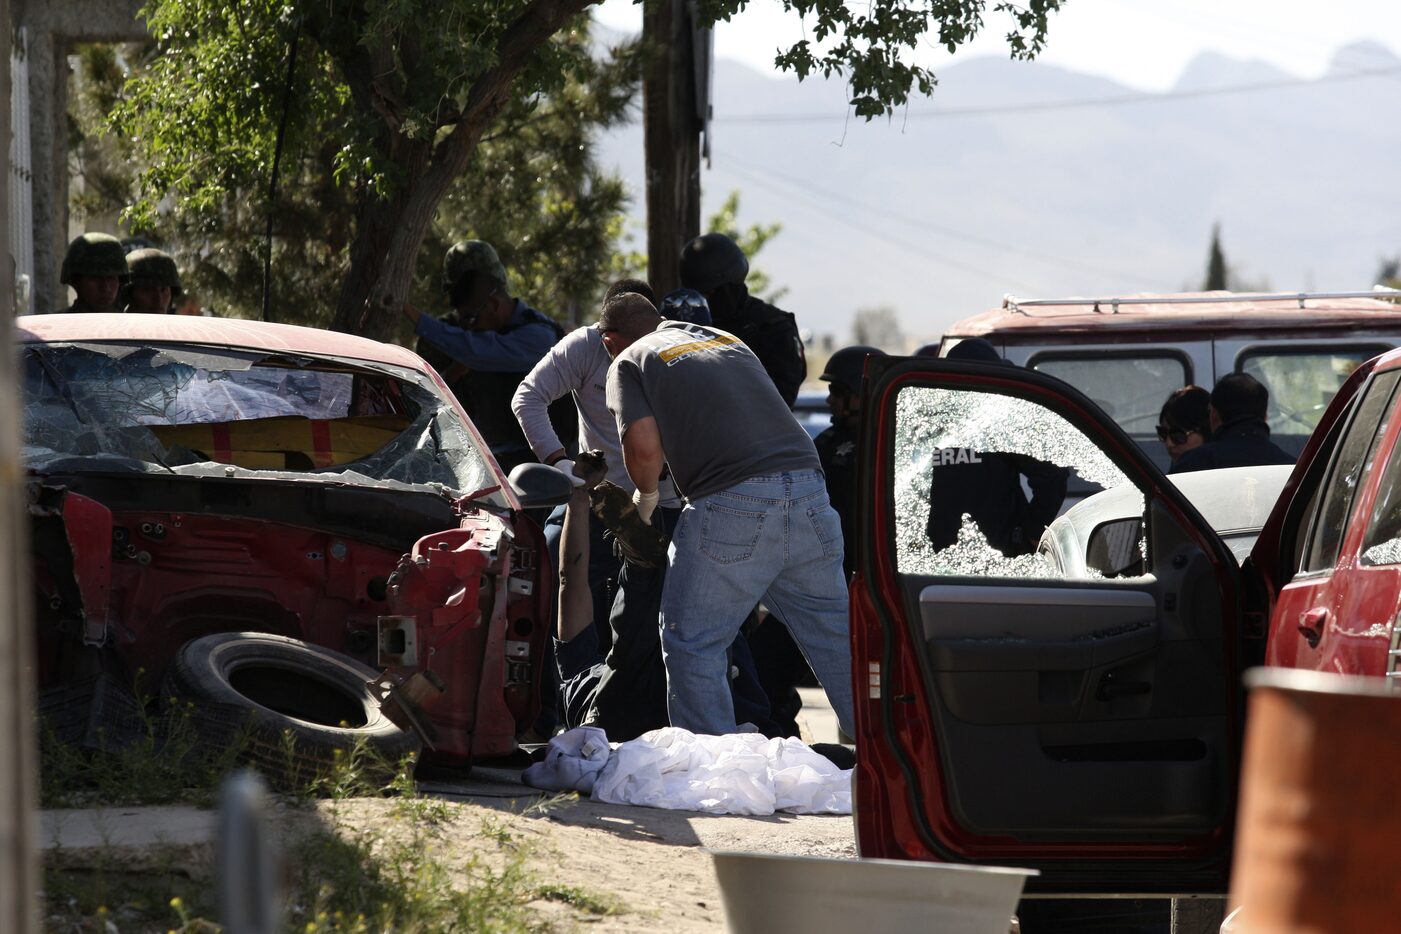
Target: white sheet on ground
572,761
740,773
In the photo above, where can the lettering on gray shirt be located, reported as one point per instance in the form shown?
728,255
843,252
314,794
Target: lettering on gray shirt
720,418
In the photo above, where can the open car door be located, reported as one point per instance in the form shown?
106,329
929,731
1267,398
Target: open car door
1081,718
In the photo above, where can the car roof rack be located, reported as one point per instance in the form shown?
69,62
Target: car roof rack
1016,305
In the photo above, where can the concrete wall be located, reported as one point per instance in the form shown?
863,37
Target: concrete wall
50,28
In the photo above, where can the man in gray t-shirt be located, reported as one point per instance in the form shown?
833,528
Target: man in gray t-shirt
756,525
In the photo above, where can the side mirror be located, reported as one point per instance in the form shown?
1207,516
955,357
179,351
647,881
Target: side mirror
538,486
1115,548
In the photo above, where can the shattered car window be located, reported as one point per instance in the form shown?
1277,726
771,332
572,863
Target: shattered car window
201,411
979,476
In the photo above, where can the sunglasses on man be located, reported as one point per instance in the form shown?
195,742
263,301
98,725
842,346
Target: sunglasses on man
1175,435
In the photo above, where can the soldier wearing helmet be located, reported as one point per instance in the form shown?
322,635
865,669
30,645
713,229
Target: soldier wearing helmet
155,282
716,267
95,267
486,346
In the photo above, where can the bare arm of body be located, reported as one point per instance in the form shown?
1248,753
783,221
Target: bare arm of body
575,598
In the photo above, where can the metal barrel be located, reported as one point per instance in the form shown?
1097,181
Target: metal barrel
1318,820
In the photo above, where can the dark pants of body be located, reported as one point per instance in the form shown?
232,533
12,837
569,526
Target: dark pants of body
624,689
781,667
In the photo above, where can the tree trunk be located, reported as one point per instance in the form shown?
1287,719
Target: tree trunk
671,131
389,232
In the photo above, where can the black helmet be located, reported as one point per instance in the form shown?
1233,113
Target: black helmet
685,305
846,366
710,261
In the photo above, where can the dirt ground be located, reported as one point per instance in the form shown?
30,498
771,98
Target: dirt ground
649,868
654,863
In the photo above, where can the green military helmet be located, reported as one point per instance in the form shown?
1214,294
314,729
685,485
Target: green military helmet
93,254
471,256
156,267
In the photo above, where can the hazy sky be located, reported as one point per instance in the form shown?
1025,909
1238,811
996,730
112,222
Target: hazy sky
1141,43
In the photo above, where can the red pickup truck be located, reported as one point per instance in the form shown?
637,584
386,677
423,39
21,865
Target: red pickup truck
1090,728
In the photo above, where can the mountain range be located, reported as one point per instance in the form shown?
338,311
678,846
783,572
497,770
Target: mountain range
1031,179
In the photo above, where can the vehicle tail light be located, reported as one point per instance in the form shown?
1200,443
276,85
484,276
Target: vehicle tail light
1393,655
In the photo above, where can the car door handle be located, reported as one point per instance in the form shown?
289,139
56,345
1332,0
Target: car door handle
1312,626
1111,687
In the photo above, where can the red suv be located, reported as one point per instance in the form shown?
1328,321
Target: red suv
1089,726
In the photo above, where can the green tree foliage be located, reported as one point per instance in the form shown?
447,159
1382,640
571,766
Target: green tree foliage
1223,276
870,44
402,93
751,240
1389,273
1215,264
632,263
532,188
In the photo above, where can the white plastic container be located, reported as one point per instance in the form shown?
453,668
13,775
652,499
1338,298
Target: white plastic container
767,894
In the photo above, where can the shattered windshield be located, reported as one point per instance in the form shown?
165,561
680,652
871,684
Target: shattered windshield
195,411
979,476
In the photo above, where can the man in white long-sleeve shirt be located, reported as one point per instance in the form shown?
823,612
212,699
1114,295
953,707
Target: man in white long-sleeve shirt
578,365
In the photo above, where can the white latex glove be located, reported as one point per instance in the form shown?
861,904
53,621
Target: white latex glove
646,503
566,466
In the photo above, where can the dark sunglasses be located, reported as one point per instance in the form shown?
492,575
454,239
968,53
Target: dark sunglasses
1176,435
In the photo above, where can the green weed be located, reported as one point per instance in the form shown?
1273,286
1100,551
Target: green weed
339,880
579,898
107,898
544,805
165,762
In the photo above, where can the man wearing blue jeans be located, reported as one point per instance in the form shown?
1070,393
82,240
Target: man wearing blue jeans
756,525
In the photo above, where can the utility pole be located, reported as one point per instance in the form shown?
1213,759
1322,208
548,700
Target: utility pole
676,114
19,876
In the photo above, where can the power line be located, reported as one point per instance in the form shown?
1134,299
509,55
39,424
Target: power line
1001,279
925,224
1119,100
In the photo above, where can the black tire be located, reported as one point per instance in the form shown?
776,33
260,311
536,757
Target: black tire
295,708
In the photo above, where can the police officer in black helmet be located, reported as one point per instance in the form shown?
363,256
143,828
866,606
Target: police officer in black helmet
715,266
987,486
781,666
836,447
